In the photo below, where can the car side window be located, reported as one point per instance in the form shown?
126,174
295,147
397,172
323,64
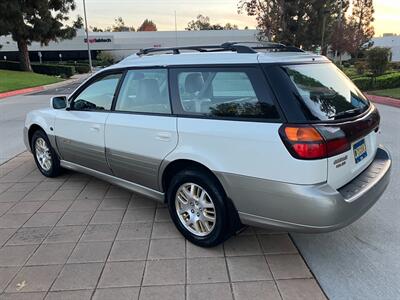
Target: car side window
98,96
145,91
225,93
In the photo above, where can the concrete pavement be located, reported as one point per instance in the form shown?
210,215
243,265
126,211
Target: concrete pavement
362,261
14,109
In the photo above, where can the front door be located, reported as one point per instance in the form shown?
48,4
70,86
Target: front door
80,130
141,131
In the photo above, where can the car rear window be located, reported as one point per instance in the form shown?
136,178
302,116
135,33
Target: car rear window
325,92
238,93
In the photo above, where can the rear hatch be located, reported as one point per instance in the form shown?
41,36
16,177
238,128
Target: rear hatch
319,96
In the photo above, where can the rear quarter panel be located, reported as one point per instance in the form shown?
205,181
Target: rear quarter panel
252,149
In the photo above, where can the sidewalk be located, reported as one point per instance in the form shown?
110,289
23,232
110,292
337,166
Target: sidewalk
384,100
77,237
75,78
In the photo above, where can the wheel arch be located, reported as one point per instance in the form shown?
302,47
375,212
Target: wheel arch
168,170
173,167
32,129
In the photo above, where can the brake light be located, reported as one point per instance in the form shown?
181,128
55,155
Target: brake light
306,142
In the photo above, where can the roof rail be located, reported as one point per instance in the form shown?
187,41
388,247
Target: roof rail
238,47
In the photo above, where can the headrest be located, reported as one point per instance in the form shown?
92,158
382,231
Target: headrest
194,83
148,91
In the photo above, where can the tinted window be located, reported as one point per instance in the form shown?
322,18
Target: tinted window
225,93
325,92
145,91
98,95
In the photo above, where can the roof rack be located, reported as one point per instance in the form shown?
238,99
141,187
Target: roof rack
239,47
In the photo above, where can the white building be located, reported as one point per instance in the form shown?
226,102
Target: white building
122,44
389,41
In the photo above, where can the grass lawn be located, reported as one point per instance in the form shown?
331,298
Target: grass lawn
14,80
392,93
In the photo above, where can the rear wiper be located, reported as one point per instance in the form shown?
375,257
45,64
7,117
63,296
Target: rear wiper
347,113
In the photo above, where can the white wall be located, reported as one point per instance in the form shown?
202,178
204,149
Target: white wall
123,44
392,42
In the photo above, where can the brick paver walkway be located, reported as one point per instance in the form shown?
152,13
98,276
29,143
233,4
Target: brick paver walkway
75,237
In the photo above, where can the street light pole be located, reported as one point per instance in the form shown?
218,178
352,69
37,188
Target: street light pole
339,27
87,37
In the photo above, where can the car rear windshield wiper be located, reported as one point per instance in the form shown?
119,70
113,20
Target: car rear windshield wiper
348,113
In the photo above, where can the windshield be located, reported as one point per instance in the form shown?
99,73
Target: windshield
325,92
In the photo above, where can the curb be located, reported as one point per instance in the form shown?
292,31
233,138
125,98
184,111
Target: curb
21,92
384,100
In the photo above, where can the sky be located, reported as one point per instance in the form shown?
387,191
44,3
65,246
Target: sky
101,13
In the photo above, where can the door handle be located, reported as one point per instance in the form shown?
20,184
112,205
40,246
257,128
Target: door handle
163,136
95,128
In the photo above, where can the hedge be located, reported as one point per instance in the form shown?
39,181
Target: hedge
48,69
82,68
387,81
57,70
10,65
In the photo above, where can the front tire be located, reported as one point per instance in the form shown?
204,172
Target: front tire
45,157
196,203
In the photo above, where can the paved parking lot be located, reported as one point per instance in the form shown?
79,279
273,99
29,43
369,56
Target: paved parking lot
76,237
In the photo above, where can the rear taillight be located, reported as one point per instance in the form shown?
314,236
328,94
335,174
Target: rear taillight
308,142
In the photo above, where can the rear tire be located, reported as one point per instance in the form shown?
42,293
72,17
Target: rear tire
45,157
196,203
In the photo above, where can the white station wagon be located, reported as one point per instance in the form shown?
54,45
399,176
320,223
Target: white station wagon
226,136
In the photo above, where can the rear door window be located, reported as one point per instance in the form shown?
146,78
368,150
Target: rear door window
224,93
325,92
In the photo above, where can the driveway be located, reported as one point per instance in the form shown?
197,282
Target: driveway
362,261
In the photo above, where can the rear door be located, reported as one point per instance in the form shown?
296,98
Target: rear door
141,130
80,130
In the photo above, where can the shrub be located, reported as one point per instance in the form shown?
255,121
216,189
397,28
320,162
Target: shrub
105,58
363,83
378,60
360,66
387,81
394,65
10,65
82,69
55,70
346,64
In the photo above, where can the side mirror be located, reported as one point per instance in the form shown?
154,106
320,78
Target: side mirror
58,102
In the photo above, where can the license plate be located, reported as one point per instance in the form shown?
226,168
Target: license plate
360,151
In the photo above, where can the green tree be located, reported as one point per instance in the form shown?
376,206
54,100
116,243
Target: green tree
229,26
147,25
203,23
36,20
96,29
119,26
303,23
360,25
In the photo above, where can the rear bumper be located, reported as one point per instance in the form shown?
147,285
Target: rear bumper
308,208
